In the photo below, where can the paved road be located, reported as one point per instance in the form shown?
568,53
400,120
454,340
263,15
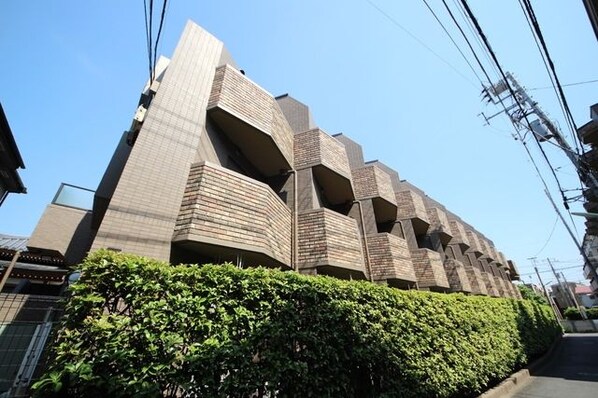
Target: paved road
572,372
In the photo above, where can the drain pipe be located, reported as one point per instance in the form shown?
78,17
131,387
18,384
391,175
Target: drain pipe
294,226
365,242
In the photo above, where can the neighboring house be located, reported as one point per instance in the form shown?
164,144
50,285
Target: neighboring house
29,305
214,168
583,294
10,161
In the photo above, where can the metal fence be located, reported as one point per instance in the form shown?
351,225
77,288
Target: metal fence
26,322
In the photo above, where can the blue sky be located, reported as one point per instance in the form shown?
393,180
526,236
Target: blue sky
72,72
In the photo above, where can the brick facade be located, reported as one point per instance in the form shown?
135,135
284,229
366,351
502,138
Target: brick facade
390,258
224,207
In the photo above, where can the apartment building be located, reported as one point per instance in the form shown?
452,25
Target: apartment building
588,135
214,168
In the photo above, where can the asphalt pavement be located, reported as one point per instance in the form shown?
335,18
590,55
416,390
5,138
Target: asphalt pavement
571,372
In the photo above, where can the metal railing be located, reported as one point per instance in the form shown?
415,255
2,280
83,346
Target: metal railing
26,322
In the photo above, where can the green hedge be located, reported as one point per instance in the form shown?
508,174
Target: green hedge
137,327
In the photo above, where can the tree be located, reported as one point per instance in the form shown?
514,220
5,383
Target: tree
530,294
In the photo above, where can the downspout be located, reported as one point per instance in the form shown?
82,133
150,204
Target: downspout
294,226
365,242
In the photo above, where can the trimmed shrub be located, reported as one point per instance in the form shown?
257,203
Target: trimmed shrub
572,314
137,327
592,313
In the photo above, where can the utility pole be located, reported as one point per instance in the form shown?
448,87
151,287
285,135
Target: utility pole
562,287
580,308
543,128
518,105
554,307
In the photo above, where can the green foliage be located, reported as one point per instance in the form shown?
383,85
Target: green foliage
137,327
572,313
592,313
530,294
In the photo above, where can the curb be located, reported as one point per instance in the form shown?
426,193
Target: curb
522,377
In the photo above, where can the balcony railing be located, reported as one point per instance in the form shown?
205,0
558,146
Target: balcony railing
457,276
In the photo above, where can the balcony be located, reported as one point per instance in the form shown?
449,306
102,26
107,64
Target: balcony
250,117
371,182
328,160
513,271
459,235
429,270
457,276
390,260
329,243
474,243
410,206
225,214
440,224
588,133
475,280
490,283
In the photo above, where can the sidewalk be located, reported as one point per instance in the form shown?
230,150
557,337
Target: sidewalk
571,372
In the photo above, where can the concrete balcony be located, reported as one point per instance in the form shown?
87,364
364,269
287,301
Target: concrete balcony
411,206
588,272
459,234
329,243
390,260
328,160
429,270
251,118
440,224
457,276
254,222
371,182
588,133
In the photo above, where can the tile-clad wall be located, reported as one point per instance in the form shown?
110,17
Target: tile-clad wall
60,229
490,284
474,242
457,276
458,232
439,220
429,269
371,182
410,205
353,150
146,202
253,217
328,238
315,147
239,96
390,258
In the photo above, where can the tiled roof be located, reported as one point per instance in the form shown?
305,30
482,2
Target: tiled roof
9,242
583,289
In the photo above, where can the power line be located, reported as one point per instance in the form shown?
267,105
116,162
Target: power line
565,85
556,220
452,40
543,57
467,41
397,24
530,10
